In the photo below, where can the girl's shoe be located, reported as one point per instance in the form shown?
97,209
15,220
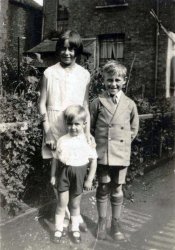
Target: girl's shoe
76,237
57,237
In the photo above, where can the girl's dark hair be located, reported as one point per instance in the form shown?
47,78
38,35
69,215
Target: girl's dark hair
75,41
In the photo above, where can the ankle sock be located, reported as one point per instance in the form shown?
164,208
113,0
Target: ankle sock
59,219
75,223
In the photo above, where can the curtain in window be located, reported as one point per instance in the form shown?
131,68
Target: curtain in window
111,48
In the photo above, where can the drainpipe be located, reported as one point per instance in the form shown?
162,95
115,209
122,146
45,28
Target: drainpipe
43,20
157,48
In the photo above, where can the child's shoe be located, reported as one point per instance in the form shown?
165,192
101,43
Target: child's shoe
116,230
76,237
101,228
57,237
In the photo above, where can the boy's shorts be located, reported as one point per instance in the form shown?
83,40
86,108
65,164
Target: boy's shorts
71,178
114,174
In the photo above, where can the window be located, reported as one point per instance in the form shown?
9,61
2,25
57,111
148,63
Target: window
111,46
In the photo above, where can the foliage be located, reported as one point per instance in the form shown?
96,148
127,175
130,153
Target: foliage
19,146
28,77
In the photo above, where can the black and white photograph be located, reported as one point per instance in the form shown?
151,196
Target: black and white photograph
87,124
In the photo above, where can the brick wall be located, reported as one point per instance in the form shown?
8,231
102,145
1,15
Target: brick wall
19,21
3,24
140,32
50,16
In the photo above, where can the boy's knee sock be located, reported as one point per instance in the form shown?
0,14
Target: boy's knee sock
75,222
59,220
102,200
116,204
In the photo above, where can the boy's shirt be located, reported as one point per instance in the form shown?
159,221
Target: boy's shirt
117,97
74,151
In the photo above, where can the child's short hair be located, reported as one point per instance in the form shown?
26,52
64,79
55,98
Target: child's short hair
74,111
114,67
75,41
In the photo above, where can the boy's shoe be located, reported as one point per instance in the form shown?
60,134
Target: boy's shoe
76,237
101,228
57,237
116,230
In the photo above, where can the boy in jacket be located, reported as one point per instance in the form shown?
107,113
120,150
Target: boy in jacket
115,123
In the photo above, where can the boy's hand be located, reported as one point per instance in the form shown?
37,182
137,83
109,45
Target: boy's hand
53,180
88,185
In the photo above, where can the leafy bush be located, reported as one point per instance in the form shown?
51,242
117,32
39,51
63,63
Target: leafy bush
28,78
19,146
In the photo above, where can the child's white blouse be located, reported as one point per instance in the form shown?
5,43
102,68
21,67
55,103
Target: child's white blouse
74,150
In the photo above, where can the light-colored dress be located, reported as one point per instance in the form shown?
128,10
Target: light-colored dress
65,87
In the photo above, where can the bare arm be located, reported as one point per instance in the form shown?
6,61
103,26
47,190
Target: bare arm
86,106
50,141
134,122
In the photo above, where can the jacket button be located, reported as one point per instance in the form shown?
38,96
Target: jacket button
122,127
121,140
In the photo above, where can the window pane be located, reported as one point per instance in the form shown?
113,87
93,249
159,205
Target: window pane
111,48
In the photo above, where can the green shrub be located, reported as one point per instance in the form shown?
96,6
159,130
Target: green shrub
19,146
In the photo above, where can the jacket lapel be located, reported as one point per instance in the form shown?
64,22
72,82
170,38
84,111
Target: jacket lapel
108,103
122,105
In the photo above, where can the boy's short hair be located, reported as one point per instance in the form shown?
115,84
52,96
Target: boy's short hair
114,67
75,111
75,41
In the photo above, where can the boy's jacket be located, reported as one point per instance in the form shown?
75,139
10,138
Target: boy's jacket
114,128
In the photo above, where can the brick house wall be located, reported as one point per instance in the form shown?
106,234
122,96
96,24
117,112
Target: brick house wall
139,28
3,29
21,19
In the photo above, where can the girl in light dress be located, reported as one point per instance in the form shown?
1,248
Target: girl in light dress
64,84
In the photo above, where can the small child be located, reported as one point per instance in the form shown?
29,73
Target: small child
74,154
115,123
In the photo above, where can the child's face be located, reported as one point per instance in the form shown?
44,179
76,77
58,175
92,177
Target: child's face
113,83
67,54
75,127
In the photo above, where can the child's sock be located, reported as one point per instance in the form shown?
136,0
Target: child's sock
75,222
66,218
59,219
116,203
